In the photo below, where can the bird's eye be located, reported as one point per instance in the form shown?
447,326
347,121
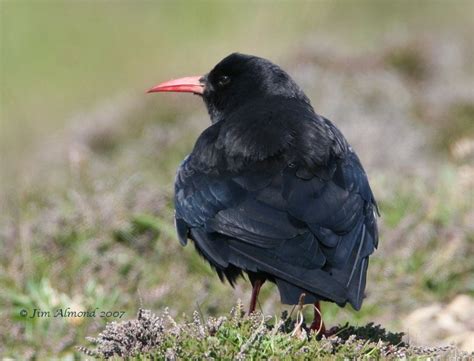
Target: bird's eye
223,80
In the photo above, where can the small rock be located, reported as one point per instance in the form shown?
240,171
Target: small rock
465,341
448,324
421,324
436,324
424,314
462,308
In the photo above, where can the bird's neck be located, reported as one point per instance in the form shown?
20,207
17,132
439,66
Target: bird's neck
272,132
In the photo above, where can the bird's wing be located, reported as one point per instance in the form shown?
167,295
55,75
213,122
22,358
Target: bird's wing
340,213
314,232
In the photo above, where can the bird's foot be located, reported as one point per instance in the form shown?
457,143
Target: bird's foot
331,332
320,330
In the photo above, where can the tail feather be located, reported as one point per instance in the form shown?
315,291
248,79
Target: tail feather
353,274
357,286
315,281
207,247
338,283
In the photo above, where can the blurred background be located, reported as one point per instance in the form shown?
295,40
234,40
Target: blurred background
88,159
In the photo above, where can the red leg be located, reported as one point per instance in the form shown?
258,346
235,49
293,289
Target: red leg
318,324
256,285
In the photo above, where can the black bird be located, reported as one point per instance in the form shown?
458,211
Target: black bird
273,189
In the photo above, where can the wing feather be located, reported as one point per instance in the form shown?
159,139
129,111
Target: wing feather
307,231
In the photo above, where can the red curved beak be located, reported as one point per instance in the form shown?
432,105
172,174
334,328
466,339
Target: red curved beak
190,84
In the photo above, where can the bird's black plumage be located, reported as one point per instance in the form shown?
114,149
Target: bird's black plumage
274,190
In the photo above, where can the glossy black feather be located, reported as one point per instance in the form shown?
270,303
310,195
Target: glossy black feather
272,188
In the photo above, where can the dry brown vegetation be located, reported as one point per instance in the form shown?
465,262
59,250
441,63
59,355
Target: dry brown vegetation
86,219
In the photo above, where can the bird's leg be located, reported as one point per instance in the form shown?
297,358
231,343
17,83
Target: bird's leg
256,285
318,325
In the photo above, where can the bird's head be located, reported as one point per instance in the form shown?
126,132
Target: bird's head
236,81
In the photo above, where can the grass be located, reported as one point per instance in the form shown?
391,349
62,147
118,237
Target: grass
86,200
239,337
60,57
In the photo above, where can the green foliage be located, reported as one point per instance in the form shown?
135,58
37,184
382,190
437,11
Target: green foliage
47,315
398,206
142,233
86,217
240,337
457,122
409,60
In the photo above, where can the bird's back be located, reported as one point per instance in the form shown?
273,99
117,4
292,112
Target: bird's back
280,193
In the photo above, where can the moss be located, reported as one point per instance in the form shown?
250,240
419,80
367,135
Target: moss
240,337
